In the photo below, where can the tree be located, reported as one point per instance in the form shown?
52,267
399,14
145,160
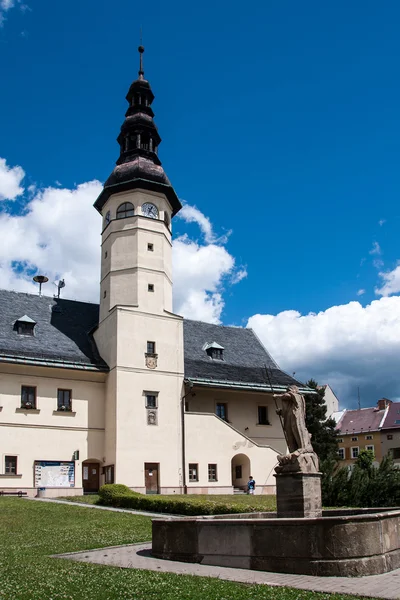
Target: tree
322,430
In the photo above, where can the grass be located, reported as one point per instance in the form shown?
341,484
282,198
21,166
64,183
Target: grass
31,531
263,503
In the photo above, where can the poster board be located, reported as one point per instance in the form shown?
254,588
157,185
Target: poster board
51,473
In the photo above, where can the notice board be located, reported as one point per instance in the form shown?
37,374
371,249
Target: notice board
50,473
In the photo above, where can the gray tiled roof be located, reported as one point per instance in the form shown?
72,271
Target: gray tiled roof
62,335
61,331
245,358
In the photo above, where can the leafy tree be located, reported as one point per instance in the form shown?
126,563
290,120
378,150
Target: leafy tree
323,433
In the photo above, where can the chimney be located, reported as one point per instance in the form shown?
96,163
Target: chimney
383,403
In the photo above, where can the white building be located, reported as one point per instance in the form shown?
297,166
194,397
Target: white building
128,391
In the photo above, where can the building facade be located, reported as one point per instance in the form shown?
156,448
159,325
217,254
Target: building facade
128,391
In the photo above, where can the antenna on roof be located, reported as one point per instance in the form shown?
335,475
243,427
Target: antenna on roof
359,401
60,285
40,279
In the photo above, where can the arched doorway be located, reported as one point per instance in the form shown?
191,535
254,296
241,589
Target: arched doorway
91,476
241,470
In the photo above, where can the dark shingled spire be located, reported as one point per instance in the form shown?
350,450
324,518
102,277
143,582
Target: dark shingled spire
138,165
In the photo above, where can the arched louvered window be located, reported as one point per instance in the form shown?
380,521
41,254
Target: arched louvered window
125,210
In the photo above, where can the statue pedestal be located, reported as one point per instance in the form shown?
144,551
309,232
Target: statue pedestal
298,495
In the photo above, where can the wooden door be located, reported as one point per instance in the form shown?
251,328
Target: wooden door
90,477
151,477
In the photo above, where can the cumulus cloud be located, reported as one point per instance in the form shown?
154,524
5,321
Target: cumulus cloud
58,234
346,346
10,181
391,282
191,214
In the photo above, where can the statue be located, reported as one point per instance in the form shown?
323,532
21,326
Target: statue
301,457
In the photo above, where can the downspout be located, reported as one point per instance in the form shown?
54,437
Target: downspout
183,436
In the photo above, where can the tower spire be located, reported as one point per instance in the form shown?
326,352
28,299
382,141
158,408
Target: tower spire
141,50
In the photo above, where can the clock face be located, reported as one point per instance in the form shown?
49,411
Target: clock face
107,218
149,210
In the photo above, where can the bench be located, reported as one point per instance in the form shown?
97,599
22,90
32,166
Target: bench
19,494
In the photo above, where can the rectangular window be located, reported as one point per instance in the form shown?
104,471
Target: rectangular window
354,452
28,396
150,287
389,437
10,465
151,347
238,472
150,247
64,400
340,441
212,473
151,401
372,448
369,437
354,439
342,454
397,421
109,474
395,452
263,415
193,472
222,411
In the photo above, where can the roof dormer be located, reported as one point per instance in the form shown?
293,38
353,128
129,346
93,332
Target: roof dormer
214,350
24,325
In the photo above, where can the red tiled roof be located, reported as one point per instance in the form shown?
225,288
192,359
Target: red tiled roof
392,416
364,419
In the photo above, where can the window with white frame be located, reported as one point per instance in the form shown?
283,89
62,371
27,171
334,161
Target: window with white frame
212,472
370,448
10,465
354,439
355,452
193,472
369,437
342,453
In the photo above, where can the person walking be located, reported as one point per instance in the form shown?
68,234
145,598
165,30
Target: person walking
251,485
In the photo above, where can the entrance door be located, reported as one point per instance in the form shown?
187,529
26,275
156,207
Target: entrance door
151,477
90,477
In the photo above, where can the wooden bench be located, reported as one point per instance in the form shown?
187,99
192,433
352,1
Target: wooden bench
19,494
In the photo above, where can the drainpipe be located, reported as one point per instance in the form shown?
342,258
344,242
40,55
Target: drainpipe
190,383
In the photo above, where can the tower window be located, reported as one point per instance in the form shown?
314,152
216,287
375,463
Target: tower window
150,247
150,287
151,347
105,294
167,219
125,210
151,401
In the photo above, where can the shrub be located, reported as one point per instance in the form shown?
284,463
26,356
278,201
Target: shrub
121,496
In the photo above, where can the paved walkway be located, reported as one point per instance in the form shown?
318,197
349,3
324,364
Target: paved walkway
138,556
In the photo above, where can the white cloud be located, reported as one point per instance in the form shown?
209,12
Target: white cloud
191,214
391,282
6,5
360,292
199,272
381,222
10,180
346,346
58,236
376,249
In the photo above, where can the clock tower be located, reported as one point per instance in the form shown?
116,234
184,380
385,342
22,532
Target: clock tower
138,335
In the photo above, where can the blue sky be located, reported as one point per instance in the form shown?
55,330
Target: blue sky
280,123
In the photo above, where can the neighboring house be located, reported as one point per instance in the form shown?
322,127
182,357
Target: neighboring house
361,430
390,433
331,400
128,391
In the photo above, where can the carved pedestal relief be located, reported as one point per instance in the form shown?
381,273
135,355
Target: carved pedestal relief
152,417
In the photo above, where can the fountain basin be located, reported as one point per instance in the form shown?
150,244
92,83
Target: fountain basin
345,542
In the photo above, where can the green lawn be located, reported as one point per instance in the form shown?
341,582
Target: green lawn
31,531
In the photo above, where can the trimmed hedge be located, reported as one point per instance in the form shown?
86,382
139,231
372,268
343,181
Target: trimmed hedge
120,496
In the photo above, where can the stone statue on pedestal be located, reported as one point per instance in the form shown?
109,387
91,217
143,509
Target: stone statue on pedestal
301,457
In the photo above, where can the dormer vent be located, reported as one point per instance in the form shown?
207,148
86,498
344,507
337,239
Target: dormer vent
214,350
24,325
